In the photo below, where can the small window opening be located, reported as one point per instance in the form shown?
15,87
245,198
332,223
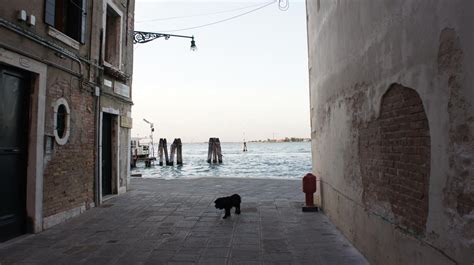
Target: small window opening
112,37
61,121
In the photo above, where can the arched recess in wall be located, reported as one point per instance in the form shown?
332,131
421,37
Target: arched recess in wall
395,153
61,121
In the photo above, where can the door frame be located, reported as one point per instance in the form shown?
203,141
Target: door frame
34,171
115,151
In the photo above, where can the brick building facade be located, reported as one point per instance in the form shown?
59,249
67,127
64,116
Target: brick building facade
65,87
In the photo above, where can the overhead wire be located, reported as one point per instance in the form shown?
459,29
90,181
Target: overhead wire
198,15
282,5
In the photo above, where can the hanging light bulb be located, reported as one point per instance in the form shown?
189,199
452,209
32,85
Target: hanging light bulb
193,45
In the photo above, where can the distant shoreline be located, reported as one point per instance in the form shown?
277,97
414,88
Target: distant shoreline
277,141
254,141
283,140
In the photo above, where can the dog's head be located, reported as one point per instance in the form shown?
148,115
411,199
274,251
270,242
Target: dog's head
220,202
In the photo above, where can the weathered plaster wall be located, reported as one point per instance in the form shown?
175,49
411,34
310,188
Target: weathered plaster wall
357,51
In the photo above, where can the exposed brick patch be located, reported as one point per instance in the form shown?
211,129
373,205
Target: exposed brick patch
395,159
69,175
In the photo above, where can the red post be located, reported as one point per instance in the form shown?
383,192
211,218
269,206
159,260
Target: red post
309,188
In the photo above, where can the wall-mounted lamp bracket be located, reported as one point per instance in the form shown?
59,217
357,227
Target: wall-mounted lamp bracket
144,37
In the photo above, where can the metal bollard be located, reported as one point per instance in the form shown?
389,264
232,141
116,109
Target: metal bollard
309,188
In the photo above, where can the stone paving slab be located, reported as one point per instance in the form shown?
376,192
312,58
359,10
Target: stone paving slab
175,222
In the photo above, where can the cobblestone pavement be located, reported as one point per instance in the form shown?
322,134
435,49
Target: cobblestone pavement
175,222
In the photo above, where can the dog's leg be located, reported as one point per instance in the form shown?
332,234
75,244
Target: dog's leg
237,209
227,213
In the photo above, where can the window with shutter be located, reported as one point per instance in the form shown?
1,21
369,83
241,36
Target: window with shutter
67,16
113,27
49,12
83,22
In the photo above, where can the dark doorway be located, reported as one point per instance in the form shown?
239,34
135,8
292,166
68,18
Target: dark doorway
106,154
14,109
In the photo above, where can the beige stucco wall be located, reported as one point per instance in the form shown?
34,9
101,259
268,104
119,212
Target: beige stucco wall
357,49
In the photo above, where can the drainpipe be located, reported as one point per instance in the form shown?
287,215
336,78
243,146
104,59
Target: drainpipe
97,119
97,141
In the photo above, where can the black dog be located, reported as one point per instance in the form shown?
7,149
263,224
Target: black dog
227,203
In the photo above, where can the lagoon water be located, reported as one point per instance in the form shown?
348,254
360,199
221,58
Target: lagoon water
263,160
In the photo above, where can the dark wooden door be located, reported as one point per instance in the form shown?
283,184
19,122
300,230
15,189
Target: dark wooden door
14,108
106,154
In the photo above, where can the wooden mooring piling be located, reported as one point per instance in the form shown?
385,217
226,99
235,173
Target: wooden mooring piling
163,150
175,148
214,152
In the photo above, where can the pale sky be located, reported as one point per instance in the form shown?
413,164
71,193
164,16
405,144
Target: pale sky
249,76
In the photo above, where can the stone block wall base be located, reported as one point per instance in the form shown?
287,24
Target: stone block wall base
53,220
